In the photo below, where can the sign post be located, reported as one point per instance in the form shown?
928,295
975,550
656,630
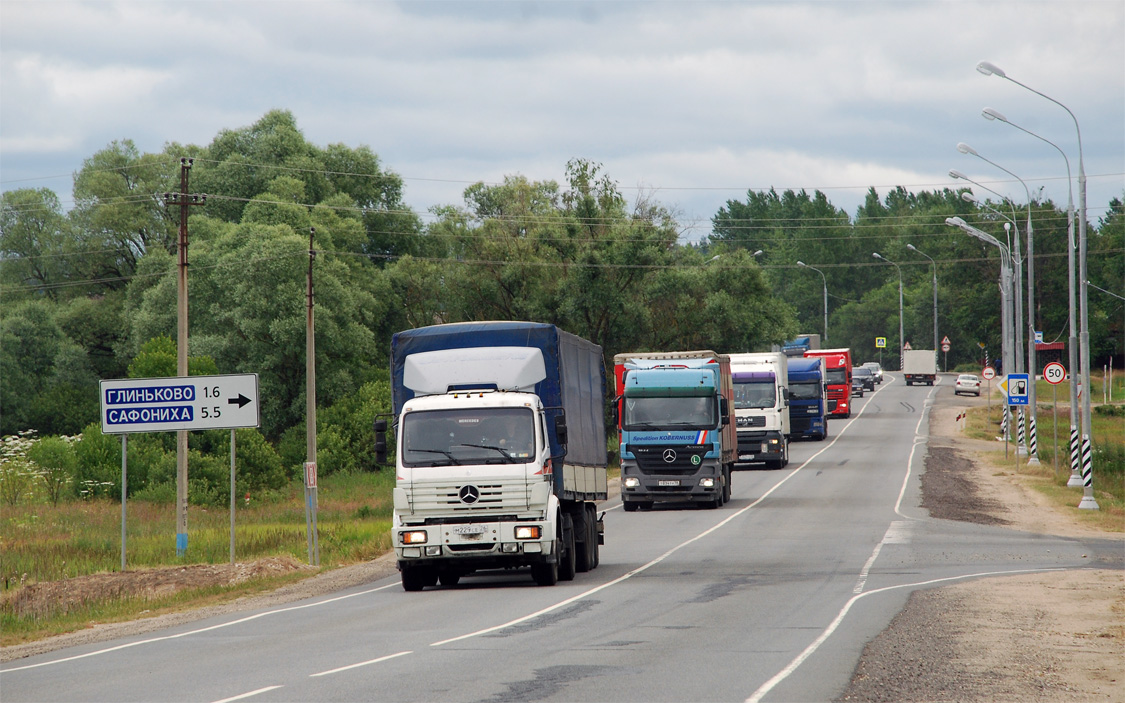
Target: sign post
1055,373
988,373
179,403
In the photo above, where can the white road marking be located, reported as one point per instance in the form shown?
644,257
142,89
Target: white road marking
355,666
248,695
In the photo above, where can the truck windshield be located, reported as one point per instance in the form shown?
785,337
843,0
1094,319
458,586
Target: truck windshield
470,436
691,412
836,377
804,391
754,394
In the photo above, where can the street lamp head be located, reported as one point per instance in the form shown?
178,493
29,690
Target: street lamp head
989,114
911,247
955,222
954,173
876,255
966,149
988,68
801,263
758,253
968,197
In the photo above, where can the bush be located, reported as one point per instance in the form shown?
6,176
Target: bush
58,466
99,464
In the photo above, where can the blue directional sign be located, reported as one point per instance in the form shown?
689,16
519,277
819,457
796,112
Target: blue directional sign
1017,388
167,404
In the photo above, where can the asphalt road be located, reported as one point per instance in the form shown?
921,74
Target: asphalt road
771,597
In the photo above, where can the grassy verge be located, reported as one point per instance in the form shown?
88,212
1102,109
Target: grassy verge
41,543
1108,476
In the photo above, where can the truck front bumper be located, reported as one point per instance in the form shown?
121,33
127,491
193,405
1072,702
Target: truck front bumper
703,486
478,545
759,446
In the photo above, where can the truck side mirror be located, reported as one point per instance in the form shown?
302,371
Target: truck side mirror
724,411
616,411
381,441
560,428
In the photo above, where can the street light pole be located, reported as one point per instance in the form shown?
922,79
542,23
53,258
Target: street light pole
1088,501
915,249
1007,319
825,280
901,341
1006,294
1032,362
1072,343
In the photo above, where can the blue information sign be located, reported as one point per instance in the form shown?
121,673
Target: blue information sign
1017,387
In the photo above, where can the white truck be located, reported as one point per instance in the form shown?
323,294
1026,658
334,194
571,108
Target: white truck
761,407
500,451
919,366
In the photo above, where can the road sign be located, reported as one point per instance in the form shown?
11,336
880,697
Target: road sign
988,373
177,403
880,342
1038,337
907,346
945,339
1016,386
945,346
1054,373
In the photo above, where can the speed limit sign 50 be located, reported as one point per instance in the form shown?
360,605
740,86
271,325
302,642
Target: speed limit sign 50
1054,373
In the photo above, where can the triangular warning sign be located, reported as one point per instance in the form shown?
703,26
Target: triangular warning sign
945,340
907,346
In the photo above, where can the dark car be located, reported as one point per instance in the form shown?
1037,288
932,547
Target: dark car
864,378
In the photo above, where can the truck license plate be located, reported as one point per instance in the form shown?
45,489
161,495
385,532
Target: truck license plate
668,483
468,530
746,457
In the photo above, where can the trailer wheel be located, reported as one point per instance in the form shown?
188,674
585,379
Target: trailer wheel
584,552
592,510
566,554
726,484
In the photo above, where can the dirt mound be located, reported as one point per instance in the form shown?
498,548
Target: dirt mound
54,597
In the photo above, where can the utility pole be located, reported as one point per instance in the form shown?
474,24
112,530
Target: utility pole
310,416
184,200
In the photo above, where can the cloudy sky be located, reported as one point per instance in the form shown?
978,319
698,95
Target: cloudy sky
689,103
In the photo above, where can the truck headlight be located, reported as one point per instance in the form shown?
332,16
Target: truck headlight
413,537
632,482
527,532
707,482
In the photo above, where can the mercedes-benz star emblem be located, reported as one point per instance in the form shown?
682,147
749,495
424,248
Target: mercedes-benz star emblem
669,456
469,494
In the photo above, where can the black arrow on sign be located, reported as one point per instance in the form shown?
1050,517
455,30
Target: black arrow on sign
239,401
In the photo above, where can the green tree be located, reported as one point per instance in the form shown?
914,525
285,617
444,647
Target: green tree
57,464
36,243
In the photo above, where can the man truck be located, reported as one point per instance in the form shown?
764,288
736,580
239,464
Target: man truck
500,451
838,376
677,439
808,401
919,366
761,407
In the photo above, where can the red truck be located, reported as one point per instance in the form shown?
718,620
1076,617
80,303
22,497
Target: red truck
838,377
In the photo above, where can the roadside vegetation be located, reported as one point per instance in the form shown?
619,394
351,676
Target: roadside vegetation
1107,440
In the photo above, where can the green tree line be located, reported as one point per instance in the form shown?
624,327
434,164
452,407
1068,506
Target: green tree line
89,293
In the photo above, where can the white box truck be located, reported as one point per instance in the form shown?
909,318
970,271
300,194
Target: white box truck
761,407
919,366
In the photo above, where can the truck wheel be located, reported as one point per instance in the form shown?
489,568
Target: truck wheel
784,453
583,554
414,578
545,574
630,506
726,485
566,554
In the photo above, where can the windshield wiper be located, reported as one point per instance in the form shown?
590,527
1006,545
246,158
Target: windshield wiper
502,451
438,451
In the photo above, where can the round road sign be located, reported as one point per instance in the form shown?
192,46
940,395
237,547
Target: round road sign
1054,373
989,373
945,347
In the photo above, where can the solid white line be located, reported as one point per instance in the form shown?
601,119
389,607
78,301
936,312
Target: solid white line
195,632
247,695
355,666
654,562
784,673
